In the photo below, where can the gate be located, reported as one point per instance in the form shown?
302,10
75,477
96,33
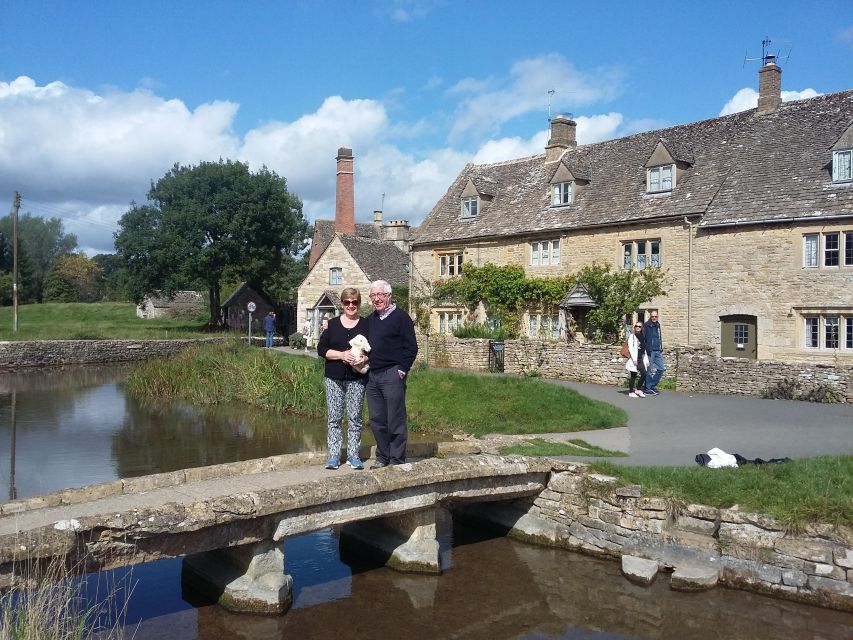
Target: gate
496,356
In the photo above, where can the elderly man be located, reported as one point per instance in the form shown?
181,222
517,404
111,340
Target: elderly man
392,354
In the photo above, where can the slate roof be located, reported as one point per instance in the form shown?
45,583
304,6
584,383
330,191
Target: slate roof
324,231
379,260
743,168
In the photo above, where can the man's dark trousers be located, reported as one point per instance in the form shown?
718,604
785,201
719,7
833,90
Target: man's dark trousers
386,403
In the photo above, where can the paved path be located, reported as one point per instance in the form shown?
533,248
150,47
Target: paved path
670,429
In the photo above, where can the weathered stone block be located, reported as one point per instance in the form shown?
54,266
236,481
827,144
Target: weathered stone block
151,482
91,492
629,491
694,578
825,570
639,570
843,557
748,534
794,578
697,525
806,549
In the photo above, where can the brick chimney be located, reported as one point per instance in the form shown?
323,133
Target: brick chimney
769,88
344,194
562,138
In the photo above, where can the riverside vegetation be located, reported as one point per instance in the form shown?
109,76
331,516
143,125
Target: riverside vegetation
440,402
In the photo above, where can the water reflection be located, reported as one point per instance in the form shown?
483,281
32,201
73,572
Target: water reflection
75,426
497,588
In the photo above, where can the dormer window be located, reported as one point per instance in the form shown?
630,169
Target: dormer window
660,179
842,165
561,193
336,276
469,207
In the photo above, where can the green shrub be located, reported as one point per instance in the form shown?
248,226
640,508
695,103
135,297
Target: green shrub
480,330
297,340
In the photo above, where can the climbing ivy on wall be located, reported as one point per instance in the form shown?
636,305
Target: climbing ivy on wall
507,292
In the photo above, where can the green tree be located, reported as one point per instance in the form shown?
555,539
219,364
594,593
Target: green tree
27,286
73,278
207,222
618,293
43,241
111,277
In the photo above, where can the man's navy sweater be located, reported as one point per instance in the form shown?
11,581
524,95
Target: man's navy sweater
392,341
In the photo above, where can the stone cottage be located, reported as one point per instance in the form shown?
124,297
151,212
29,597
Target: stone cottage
750,217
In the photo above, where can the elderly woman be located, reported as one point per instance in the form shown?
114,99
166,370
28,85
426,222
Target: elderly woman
637,362
344,385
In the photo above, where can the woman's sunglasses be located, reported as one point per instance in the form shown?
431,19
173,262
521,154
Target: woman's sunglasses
350,303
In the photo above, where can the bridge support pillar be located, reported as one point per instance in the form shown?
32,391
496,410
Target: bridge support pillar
406,542
245,579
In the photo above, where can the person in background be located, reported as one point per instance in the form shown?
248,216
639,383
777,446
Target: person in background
269,328
306,332
325,324
654,349
345,386
392,354
636,364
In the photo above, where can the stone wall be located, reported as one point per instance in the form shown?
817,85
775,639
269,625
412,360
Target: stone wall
697,370
41,353
593,514
749,550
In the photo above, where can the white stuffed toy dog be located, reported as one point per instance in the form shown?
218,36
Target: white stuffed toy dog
360,346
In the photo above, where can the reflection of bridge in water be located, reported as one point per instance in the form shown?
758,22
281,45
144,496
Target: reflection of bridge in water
228,521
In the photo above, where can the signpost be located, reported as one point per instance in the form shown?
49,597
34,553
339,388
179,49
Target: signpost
251,306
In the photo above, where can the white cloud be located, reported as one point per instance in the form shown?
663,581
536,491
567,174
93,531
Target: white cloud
510,148
748,99
597,128
407,10
526,90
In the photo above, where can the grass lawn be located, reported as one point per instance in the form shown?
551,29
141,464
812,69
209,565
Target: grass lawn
93,321
795,492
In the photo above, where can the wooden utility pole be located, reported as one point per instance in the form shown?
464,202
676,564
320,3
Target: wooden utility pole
16,204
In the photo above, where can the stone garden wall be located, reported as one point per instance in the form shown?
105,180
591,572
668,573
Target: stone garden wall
42,353
696,369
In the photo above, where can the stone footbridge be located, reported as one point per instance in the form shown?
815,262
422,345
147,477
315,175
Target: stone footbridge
228,521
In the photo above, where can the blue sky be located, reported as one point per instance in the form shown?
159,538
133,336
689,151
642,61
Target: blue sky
99,98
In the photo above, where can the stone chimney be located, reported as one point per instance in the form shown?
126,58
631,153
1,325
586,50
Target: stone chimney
344,194
562,138
769,88
377,219
397,233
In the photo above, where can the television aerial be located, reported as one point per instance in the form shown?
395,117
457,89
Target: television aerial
767,57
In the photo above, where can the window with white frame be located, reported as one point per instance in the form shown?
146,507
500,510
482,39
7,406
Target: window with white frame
842,165
561,193
829,331
544,253
810,245
831,249
469,207
641,254
848,249
543,325
450,264
811,332
449,321
660,178
336,275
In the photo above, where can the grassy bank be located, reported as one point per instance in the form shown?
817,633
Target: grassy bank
438,401
795,492
99,320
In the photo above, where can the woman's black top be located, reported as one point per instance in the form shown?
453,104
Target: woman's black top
337,337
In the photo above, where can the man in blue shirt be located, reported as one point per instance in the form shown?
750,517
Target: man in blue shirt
393,349
654,348
269,327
